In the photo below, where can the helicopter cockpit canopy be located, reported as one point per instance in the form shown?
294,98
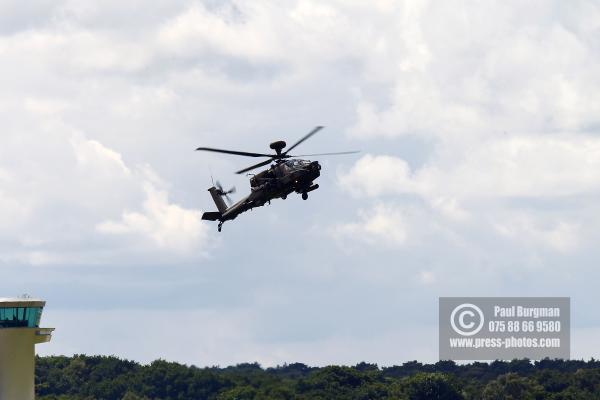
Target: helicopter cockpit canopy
295,164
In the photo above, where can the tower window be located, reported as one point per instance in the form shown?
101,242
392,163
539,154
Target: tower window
20,317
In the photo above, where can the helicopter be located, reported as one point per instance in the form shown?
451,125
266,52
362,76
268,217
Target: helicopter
287,174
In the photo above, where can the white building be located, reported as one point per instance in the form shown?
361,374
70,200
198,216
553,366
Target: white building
19,333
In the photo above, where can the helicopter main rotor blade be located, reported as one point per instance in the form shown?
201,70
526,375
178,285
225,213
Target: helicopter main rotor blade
328,154
237,153
308,135
260,164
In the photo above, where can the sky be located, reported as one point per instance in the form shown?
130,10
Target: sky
479,172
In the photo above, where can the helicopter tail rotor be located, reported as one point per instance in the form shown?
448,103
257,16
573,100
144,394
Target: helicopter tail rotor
225,193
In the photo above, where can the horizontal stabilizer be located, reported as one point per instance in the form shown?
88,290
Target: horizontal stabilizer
211,216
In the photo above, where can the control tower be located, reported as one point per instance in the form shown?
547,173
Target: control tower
19,333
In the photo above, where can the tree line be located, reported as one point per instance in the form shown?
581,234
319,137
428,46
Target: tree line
84,377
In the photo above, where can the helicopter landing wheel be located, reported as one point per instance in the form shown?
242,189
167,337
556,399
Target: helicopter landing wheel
284,197
304,196
220,226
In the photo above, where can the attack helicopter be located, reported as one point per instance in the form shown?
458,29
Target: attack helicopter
287,174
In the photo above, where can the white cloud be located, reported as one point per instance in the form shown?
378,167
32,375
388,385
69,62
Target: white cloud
517,73
378,175
97,159
168,226
480,184
53,202
226,32
427,277
480,123
385,225
516,166
561,236
375,227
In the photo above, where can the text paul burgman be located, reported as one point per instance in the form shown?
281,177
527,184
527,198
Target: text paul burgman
526,312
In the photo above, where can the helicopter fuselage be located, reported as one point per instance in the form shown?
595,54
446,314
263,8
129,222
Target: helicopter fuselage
280,180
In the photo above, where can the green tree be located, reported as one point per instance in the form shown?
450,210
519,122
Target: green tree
133,396
427,386
238,393
511,386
